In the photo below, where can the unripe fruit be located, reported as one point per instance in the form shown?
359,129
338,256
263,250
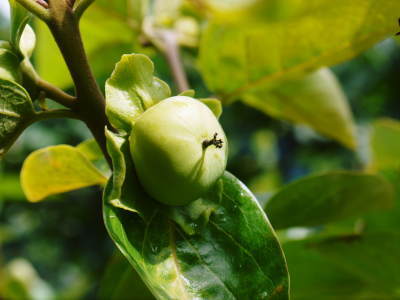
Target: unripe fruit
179,150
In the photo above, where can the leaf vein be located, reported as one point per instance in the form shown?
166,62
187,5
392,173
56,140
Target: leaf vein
244,250
9,113
196,251
175,258
303,66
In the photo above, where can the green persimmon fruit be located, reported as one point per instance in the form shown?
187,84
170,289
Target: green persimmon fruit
179,150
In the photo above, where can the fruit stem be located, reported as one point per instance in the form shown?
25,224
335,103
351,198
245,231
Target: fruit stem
214,141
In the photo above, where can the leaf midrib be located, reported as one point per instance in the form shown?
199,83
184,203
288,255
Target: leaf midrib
303,66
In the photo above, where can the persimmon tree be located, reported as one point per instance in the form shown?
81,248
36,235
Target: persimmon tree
190,229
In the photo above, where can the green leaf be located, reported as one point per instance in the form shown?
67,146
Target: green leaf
388,220
120,279
9,66
228,259
19,18
316,100
314,275
131,89
234,254
213,104
227,11
322,199
385,144
57,169
359,253
16,113
253,56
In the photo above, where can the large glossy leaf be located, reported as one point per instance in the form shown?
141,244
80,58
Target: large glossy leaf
234,254
57,169
254,56
106,37
385,144
131,89
322,199
16,113
316,100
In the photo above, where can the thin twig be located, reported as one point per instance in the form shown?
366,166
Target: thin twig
170,48
56,94
50,90
36,9
90,101
56,114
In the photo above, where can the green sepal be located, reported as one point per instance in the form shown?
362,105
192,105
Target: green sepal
213,104
123,189
188,93
132,89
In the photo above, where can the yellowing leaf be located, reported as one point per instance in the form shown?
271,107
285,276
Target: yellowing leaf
325,33
91,150
385,144
316,100
57,169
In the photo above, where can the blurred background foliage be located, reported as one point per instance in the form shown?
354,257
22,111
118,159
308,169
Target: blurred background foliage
59,249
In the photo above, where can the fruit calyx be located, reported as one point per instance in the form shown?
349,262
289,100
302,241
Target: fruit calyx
218,143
